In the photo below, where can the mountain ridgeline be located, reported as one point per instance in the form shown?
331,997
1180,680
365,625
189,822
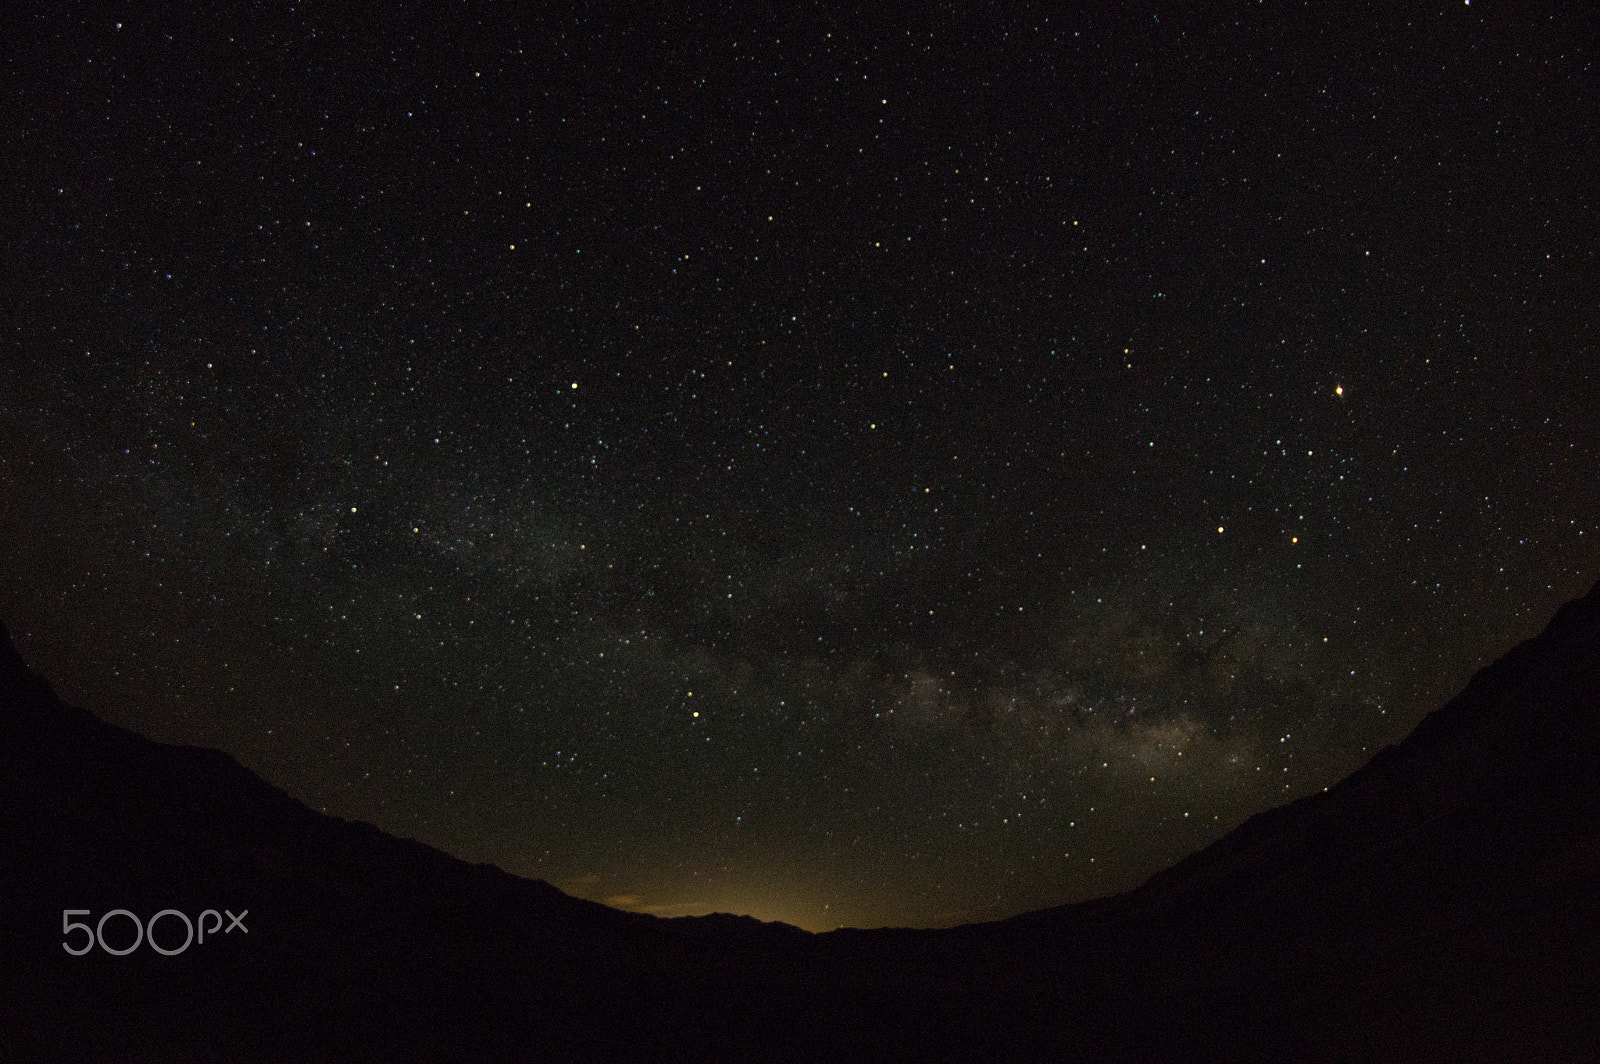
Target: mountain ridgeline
1442,903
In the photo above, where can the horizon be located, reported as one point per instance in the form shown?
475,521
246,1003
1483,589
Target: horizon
760,910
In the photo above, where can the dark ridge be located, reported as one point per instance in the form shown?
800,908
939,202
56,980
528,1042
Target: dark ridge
1438,904
1530,717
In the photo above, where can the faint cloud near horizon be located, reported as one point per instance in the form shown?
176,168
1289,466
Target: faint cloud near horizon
634,903
584,886
679,908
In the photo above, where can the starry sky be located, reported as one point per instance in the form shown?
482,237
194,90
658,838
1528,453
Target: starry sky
847,468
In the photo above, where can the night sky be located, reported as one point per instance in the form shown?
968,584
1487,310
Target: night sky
846,470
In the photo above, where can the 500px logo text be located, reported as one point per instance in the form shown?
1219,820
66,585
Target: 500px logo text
145,932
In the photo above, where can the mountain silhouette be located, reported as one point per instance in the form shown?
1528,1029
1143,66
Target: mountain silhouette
1441,903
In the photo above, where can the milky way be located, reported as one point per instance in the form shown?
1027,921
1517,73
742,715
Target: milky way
847,472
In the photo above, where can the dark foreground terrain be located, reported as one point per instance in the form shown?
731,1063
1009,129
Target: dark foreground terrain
1441,904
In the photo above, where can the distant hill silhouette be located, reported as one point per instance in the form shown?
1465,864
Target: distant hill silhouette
1442,903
